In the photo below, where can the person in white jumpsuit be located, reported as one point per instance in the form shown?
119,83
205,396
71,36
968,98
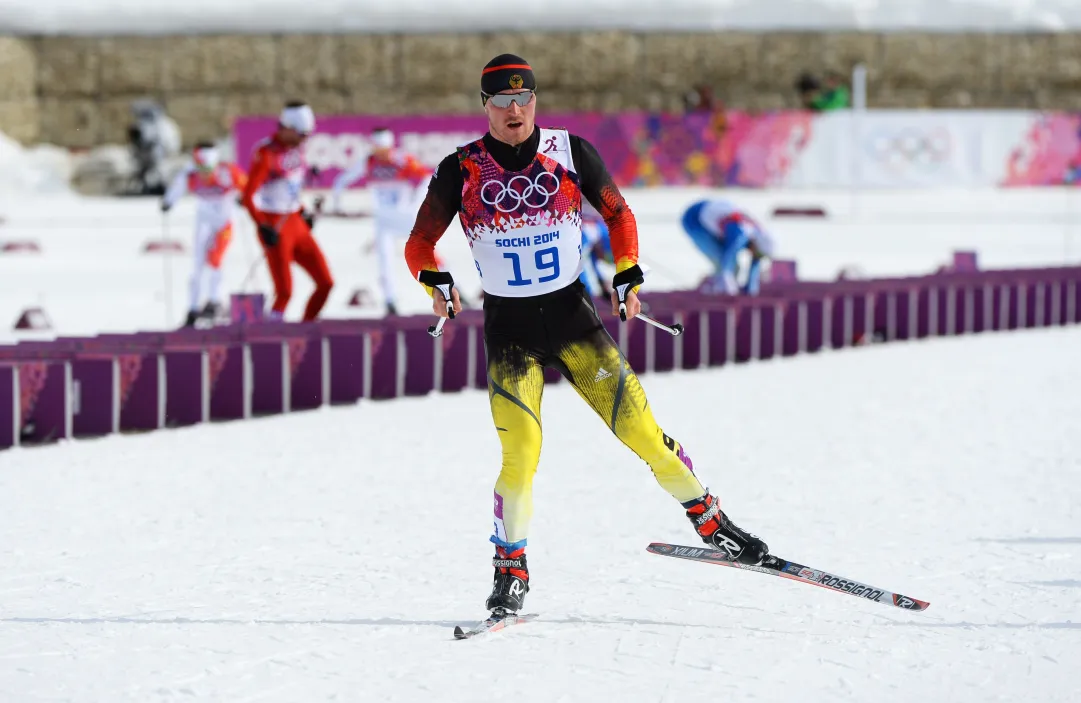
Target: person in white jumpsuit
397,181
216,186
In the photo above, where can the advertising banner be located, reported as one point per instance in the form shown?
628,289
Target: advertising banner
641,149
734,149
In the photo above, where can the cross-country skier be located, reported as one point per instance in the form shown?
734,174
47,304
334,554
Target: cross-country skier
596,247
215,184
272,197
394,179
721,231
518,194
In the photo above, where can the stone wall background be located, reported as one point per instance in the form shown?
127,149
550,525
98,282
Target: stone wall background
76,91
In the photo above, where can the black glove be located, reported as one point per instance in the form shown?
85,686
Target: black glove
624,281
308,217
268,235
443,281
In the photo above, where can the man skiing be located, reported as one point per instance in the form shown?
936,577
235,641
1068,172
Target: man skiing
518,194
721,231
394,178
215,184
272,198
596,247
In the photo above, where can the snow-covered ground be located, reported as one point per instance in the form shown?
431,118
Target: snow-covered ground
327,555
92,275
249,16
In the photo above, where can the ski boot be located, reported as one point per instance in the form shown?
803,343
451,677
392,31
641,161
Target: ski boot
211,311
511,581
191,319
718,531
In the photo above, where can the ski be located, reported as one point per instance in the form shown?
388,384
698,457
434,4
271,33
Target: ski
494,623
775,566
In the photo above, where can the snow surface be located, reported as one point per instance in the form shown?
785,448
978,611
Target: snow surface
91,275
40,169
286,16
327,555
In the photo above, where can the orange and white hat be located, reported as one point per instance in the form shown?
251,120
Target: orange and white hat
206,156
298,116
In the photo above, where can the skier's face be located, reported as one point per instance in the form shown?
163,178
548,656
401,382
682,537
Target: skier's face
512,124
290,137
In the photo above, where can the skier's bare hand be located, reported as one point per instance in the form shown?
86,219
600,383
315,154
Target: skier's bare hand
439,303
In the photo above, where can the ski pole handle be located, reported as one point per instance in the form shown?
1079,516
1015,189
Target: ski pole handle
444,283
623,282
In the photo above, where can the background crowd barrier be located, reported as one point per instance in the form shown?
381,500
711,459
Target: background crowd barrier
733,148
94,386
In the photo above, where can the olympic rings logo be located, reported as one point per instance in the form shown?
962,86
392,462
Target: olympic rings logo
507,197
912,148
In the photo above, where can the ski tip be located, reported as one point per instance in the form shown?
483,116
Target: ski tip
459,633
910,603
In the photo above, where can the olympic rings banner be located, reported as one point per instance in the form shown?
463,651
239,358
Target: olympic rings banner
843,149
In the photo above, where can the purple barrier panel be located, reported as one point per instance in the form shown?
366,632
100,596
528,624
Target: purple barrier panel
635,349
1062,296
886,312
246,308
225,392
1013,303
863,321
768,338
795,327
848,318
1073,301
349,367
458,350
1036,297
924,313
694,352
816,324
384,346
9,406
287,366
746,340
961,310
268,372
664,344
306,364
722,335
44,403
420,353
944,310
346,367
837,320
142,405
141,382
228,392
185,389
999,310
552,376
95,400
977,308
907,313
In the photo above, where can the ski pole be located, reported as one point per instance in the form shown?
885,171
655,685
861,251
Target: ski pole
167,264
445,284
675,330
